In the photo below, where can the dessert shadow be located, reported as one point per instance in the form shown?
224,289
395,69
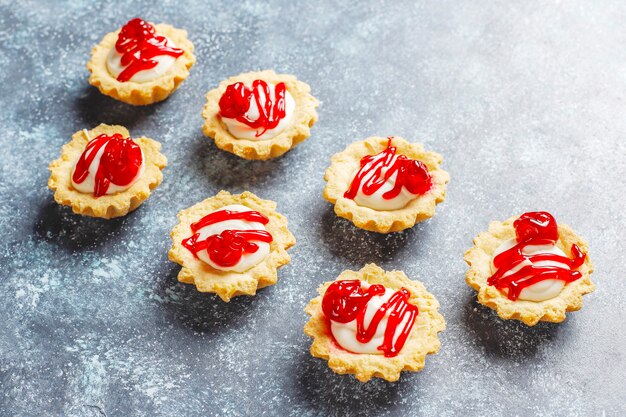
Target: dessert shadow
93,108
329,393
359,246
510,339
201,312
227,171
58,224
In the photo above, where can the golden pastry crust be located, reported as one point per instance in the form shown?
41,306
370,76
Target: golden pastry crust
230,284
303,119
340,174
134,93
111,205
530,312
422,340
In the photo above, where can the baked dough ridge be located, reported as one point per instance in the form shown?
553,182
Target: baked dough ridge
111,205
530,312
140,94
230,284
340,175
422,340
303,119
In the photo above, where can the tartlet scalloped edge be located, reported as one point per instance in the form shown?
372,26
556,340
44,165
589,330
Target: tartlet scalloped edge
141,94
106,206
303,119
230,284
339,176
423,339
529,312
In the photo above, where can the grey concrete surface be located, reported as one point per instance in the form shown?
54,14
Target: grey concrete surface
525,100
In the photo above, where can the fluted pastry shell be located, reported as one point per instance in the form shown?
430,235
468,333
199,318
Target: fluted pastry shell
530,312
110,205
303,119
340,174
423,338
149,92
230,284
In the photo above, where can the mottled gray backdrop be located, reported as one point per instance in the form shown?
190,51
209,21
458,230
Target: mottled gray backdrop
525,100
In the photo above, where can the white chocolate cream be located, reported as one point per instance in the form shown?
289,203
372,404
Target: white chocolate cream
242,131
376,201
345,333
248,260
164,63
543,290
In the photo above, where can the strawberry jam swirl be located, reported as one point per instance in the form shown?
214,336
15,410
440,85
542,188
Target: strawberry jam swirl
226,248
260,108
139,45
116,161
520,267
362,310
389,176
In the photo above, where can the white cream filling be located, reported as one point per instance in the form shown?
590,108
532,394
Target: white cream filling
164,63
242,131
88,185
248,260
543,290
376,201
345,333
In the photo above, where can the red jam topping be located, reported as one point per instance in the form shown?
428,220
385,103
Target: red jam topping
227,248
411,174
534,228
139,44
346,300
237,99
119,164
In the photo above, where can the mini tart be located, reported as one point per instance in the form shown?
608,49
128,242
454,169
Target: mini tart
228,284
340,174
303,119
112,205
139,94
422,340
530,312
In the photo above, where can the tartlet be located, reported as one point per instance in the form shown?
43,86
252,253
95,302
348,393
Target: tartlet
528,268
112,189
349,298
239,117
231,244
385,184
122,64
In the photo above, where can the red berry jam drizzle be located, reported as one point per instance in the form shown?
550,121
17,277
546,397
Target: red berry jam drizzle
236,101
534,228
412,174
139,44
346,300
227,248
119,164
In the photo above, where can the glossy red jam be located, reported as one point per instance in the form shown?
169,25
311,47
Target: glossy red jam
227,248
119,164
533,228
139,44
237,99
411,174
345,301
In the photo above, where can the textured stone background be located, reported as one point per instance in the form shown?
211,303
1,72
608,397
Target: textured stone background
525,101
